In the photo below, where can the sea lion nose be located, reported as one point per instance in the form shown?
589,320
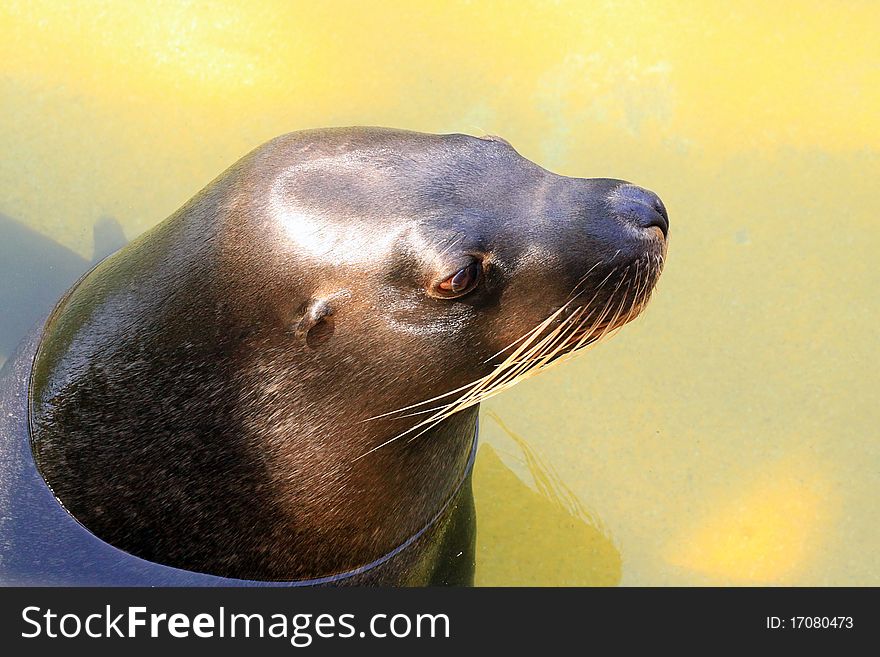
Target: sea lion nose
639,207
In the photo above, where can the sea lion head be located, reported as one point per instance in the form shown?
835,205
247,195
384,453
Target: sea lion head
433,270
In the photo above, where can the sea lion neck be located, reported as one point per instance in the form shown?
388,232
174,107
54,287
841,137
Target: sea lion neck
238,459
335,487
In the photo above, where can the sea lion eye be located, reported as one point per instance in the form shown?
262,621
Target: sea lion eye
461,282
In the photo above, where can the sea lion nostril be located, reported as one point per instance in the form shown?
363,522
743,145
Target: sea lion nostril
651,217
659,207
639,207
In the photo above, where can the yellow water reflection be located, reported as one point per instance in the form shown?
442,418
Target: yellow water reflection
538,535
762,532
701,434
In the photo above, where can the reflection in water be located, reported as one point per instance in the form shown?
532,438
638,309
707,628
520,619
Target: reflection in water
542,537
766,533
108,237
36,271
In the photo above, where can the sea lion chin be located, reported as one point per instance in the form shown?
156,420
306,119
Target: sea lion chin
281,380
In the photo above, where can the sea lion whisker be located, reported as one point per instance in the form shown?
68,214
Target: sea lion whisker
583,311
584,278
422,403
595,323
599,286
604,314
528,336
531,332
561,340
534,360
467,399
552,344
613,324
639,283
557,337
506,375
644,293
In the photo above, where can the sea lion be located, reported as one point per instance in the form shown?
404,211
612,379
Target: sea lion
280,382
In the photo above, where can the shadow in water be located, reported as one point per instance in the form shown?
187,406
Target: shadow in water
536,537
35,271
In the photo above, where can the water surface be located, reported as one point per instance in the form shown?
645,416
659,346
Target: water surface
730,435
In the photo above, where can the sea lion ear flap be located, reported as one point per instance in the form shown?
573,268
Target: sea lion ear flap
315,324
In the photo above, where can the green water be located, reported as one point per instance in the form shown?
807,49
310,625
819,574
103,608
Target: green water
729,436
